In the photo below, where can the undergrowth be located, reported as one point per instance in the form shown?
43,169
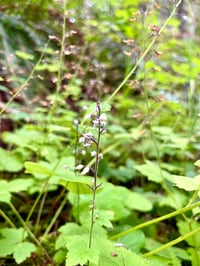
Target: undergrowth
92,175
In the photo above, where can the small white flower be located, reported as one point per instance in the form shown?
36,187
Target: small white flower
88,135
96,122
76,122
93,153
82,140
83,152
79,167
85,170
100,156
87,117
87,144
84,108
103,117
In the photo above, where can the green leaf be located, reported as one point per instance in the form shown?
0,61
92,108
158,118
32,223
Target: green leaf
67,230
105,107
187,183
185,227
78,187
134,241
7,247
20,184
10,161
114,255
13,186
177,201
113,198
36,168
23,251
197,163
12,243
151,244
79,252
137,201
24,136
102,217
153,172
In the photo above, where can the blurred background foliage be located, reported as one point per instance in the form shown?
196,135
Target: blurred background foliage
102,42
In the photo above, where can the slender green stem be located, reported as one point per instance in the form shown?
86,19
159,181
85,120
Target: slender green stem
145,53
172,243
55,217
41,205
7,219
156,220
29,231
33,207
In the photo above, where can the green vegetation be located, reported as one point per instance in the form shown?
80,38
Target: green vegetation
99,133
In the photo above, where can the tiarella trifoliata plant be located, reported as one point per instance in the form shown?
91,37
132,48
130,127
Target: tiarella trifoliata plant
91,140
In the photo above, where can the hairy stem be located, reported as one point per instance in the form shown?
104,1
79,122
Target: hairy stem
94,185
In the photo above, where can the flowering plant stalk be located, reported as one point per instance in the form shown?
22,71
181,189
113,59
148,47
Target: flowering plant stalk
87,139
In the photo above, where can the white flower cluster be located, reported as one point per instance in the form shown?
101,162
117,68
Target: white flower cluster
99,121
86,139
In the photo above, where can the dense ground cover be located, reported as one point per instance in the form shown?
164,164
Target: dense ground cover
99,124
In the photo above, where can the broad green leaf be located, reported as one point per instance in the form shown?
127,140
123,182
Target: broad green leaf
20,184
79,252
11,238
102,217
71,176
23,251
105,107
65,177
111,254
113,198
78,187
153,172
36,168
181,142
24,136
67,230
7,247
5,196
13,186
110,198
151,244
197,163
195,256
134,241
10,161
13,234
49,153
177,199
137,201
13,243
185,227
187,183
